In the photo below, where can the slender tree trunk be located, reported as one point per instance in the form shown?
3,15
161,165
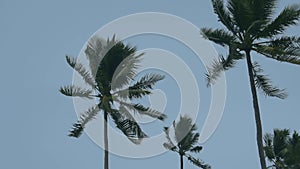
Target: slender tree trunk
259,134
105,141
181,161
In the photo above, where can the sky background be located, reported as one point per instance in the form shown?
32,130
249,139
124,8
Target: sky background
36,35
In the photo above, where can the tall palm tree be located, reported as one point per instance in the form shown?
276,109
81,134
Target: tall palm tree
186,139
112,67
283,150
250,26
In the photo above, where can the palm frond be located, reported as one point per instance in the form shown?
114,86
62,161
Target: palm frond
85,117
190,139
141,87
183,129
241,13
126,71
196,149
264,83
285,49
75,91
219,36
223,15
264,9
279,54
222,64
129,127
198,162
78,67
169,145
149,112
95,52
147,81
288,17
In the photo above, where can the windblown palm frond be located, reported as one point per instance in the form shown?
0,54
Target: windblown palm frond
129,127
218,36
264,83
126,71
75,91
86,76
284,49
288,17
141,87
218,66
198,162
224,15
87,116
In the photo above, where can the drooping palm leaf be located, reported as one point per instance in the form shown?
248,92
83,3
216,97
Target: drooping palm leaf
264,83
198,162
223,64
84,118
130,128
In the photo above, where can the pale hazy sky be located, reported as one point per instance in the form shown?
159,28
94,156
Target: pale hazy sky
36,35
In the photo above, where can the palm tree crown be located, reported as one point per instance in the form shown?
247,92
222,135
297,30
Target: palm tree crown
250,27
112,67
186,141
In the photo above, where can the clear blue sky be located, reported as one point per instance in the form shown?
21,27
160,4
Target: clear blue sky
34,38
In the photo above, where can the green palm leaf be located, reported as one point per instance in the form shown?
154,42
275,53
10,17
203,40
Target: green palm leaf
141,87
129,127
219,36
288,17
197,162
86,76
126,71
224,15
264,83
87,116
75,91
222,64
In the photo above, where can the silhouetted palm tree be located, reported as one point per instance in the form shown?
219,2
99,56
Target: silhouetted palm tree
251,27
282,150
186,139
112,67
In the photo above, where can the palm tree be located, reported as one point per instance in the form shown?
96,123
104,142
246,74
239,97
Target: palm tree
250,26
282,150
112,67
186,140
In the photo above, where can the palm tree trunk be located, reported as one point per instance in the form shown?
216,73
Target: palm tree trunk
181,161
259,135
105,141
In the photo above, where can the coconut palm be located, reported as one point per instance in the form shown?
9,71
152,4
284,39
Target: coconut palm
112,67
185,141
283,150
250,26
